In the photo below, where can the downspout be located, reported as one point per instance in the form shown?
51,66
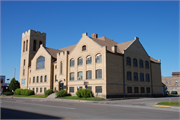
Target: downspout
124,77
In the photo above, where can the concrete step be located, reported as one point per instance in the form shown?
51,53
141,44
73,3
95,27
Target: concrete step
52,96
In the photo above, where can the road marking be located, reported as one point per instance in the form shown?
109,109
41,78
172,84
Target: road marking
161,106
42,105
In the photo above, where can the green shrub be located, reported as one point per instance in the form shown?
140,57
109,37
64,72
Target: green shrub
85,93
61,93
78,93
48,92
28,92
17,91
22,91
8,93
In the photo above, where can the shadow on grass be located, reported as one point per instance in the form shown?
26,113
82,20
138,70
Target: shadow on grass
17,114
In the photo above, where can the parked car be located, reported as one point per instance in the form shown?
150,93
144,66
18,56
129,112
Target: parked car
174,92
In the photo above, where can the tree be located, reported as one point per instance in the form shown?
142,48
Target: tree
14,85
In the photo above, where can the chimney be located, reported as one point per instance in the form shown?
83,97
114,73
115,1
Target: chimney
136,38
114,49
94,35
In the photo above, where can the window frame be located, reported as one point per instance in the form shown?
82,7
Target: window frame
128,61
135,63
141,63
84,48
87,77
99,58
97,74
80,77
135,75
88,60
71,88
146,64
40,63
80,58
98,90
136,90
129,75
71,78
72,61
129,89
141,76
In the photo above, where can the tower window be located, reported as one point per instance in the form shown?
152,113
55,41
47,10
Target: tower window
34,45
26,45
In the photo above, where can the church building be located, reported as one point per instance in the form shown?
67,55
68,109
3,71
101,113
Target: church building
109,69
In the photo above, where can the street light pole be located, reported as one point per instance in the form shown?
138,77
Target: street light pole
14,71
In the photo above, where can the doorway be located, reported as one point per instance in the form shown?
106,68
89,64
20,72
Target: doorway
61,85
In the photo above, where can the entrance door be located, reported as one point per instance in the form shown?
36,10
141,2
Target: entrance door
61,85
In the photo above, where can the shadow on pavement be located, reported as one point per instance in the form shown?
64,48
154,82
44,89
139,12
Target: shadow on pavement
17,114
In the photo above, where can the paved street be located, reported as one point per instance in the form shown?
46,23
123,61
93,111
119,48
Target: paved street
42,108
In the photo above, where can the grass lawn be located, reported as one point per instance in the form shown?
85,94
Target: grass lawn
37,96
77,98
169,103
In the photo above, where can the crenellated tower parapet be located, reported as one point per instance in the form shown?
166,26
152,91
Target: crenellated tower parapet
33,33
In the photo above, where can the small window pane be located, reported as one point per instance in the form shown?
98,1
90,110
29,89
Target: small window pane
129,89
98,89
135,62
33,79
72,63
88,60
135,76
44,89
136,90
80,61
128,61
40,90
45,78
80,75
98,58
128,75
71,76
147,64
71,89
147,77
36,89
84,48
141,63
141,77
61,68
142,90
89,74
37,80
41,78
99,74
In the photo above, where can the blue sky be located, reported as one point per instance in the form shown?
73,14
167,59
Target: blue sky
155,23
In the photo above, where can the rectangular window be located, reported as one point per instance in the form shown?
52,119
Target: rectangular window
89,87
128,75
23,72
98,89
45,78
41,78
71,89
23,82
64,87
37,79
80,61
141,76
33,89
33,79
142,90
29,80
89,74
40,90
55,67
72,76
136,90
135,76
129,89
99,74
80,75
147,77
148,90
36,90
44,89
88,60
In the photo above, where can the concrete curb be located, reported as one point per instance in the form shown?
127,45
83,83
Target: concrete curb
6,97
162,106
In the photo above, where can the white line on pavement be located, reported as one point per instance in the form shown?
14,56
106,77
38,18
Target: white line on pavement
41,105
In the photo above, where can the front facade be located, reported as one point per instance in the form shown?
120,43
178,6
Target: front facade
108,68
172,82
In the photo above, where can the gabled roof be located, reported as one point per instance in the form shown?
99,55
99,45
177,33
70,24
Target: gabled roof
69,48
53,52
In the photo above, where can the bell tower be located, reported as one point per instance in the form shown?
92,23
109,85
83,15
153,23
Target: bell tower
31,41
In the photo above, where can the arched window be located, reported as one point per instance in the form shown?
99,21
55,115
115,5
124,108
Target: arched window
41,62
80,61
34,45
135,62
40,42
84,48
128,75
128,61
98,58
45,78
141,63
88,60
41,79
71,62
147,64
26,45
